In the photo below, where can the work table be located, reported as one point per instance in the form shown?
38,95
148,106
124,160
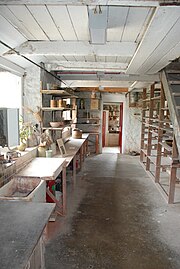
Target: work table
43,168
22,224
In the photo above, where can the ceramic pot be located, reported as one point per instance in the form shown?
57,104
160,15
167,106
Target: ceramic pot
42,151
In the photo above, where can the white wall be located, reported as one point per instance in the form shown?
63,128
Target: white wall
131,123
31,94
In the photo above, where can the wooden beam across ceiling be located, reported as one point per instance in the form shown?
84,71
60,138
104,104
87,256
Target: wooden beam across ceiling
80,48
105,89
142,3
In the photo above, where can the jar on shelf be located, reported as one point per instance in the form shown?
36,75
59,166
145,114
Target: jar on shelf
53,103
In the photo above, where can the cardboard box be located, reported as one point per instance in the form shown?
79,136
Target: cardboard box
94,103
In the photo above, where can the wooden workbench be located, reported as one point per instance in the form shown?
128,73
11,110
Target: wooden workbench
21,227
73,147
47,169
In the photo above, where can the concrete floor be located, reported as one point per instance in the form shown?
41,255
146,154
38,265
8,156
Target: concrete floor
116,219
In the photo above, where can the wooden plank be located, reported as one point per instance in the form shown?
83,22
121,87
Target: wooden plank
43,18
24,16
134,23
169,42
11,17
74,48
62,20
9,34
106,89
81,29
116,21
163,20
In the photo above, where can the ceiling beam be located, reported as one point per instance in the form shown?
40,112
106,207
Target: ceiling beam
142,3
74,48
83,66
108,77
92,83
106,89
11,67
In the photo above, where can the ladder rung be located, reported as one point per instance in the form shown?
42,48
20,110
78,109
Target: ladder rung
177,82
173,71
176,94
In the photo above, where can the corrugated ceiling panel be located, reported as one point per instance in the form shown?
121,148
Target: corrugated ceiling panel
9,35
55,58
116,21
62,20
79,18
6,13
43,18
135,20
24,16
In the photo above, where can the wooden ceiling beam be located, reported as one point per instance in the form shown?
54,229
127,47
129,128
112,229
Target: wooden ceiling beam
106,89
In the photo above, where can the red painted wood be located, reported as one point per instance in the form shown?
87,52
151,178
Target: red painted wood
120,126
104,129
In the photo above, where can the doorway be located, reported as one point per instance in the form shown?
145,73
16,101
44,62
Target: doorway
112,127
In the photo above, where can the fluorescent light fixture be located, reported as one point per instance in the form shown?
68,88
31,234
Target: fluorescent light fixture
98,24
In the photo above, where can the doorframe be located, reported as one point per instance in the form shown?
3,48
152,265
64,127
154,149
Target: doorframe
120,125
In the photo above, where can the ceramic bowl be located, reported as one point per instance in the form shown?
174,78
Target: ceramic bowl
55,124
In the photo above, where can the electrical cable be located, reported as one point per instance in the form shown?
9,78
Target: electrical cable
18,53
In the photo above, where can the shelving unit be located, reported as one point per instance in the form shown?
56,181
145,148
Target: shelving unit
50,114
159,158
89,118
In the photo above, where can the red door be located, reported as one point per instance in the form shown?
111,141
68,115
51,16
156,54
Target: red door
104,129
120,126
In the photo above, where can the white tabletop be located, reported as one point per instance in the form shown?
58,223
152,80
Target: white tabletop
44,168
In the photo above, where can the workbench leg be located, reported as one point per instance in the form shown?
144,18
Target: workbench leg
81,154
74,169
64,189
97,143
86,147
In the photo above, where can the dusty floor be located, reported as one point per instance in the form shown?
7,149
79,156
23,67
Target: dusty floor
116,219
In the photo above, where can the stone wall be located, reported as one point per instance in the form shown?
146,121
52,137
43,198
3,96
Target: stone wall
133,130
31,93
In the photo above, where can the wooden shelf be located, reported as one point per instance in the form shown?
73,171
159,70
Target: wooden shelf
56,108
165,161
93,124
61,92
156,98
166,146
55,129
